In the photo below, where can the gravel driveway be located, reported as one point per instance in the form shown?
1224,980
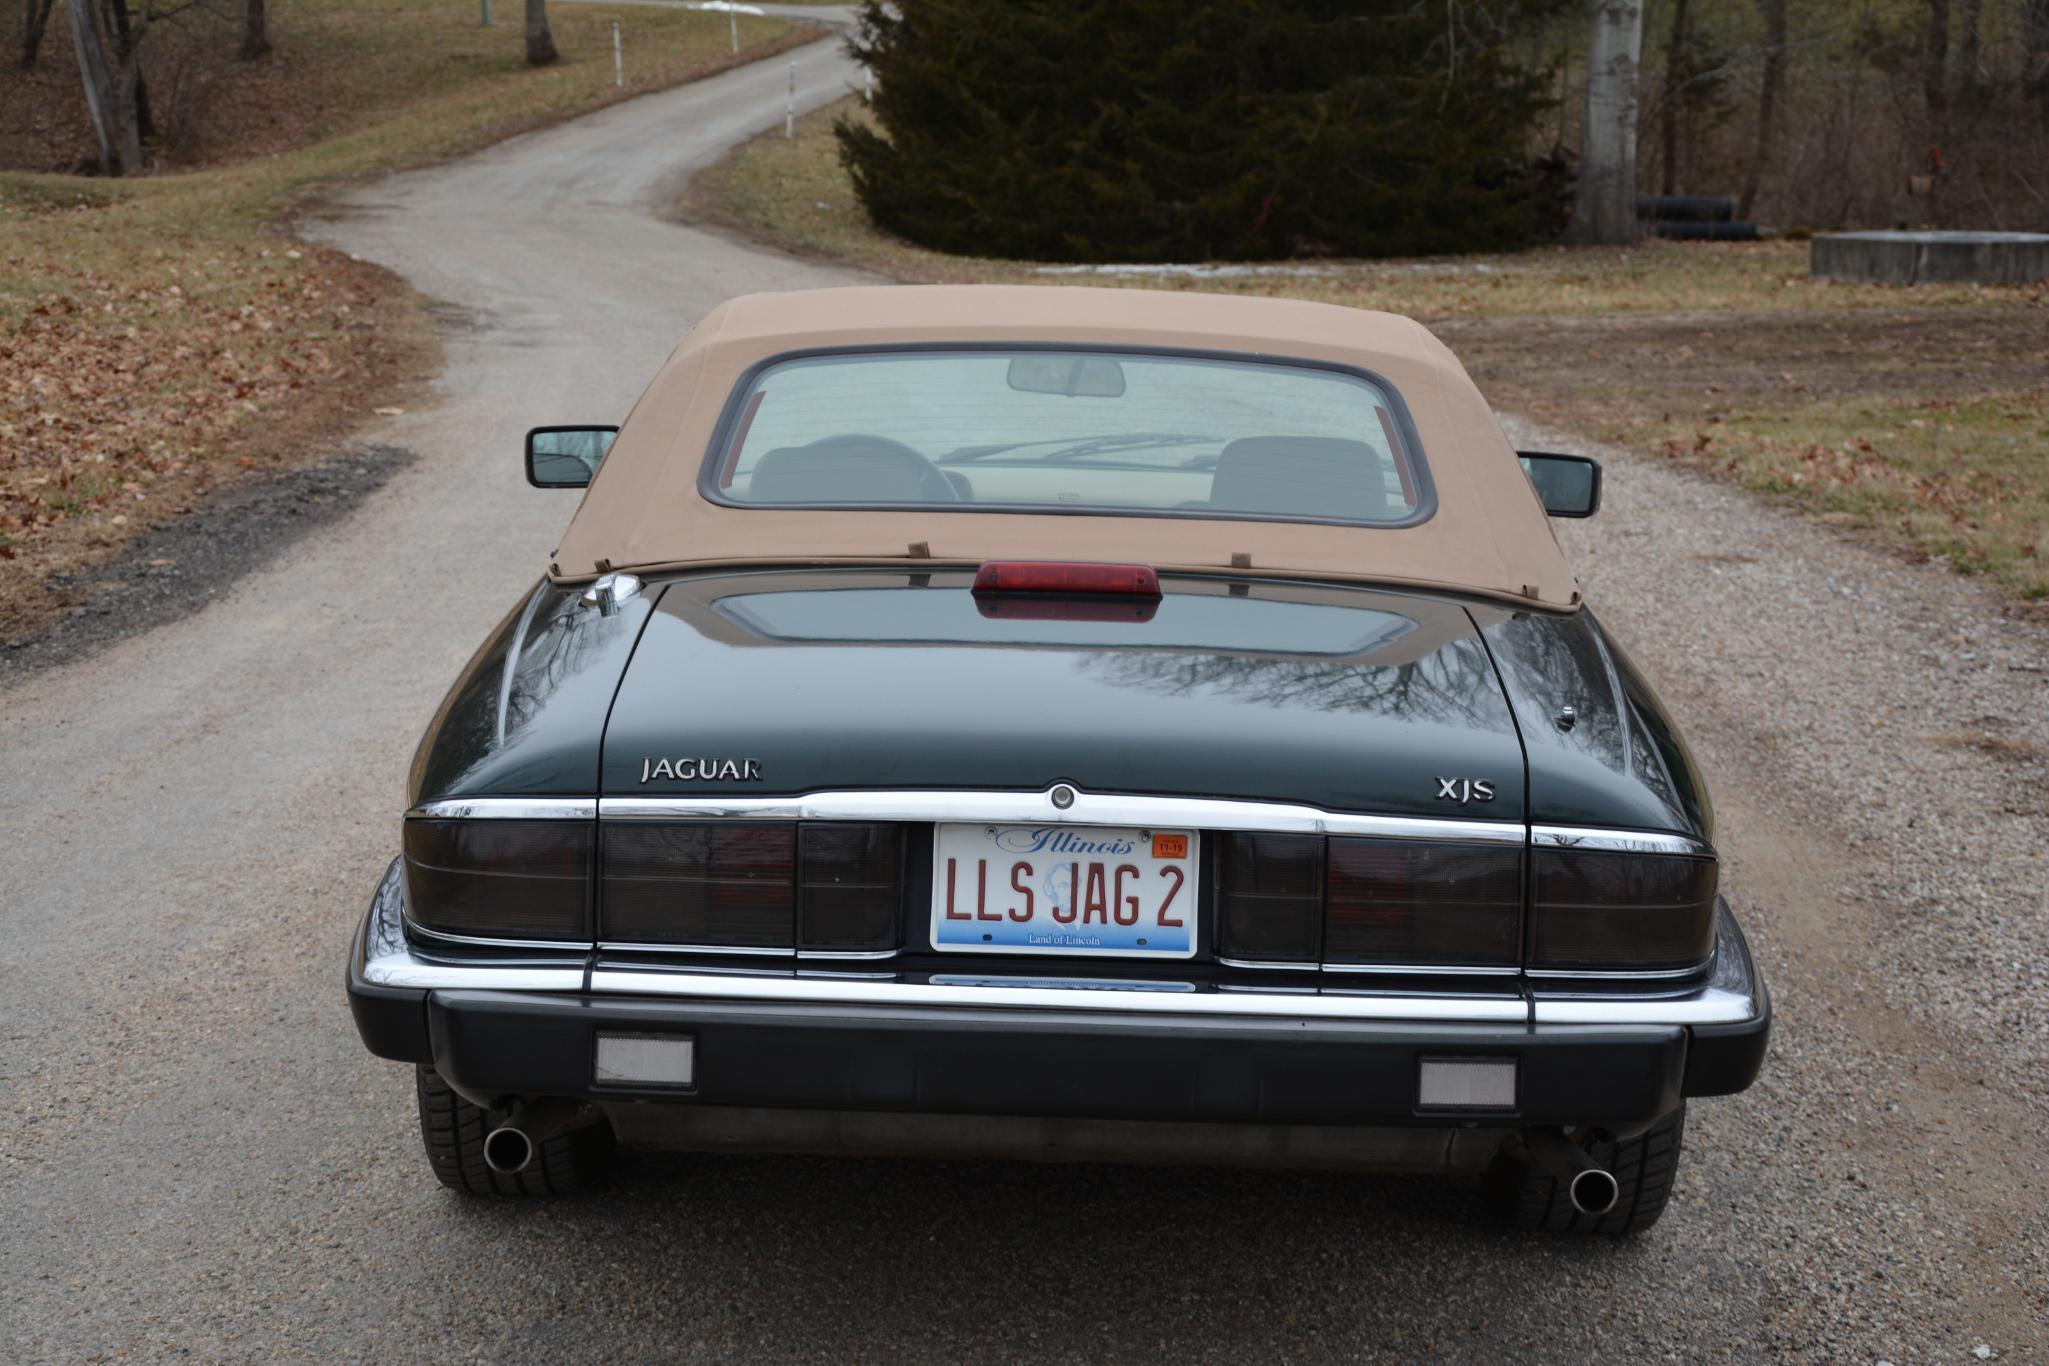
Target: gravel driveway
196,1156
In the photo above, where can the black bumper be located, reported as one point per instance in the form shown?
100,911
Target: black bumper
1057,1063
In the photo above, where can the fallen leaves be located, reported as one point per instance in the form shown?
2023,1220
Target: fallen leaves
129,389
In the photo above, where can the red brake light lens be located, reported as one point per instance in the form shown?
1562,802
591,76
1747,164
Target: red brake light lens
1053,576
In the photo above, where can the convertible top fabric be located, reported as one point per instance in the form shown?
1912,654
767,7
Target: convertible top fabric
644,511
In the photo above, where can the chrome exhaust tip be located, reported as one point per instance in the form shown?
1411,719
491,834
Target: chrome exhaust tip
1591,1188
508,1151
1594,1191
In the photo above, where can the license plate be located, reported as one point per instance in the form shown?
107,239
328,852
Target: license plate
1064,889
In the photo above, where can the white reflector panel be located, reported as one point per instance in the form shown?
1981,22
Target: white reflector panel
646,1060
1467,1083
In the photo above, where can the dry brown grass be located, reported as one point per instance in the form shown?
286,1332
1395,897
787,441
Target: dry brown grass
162,335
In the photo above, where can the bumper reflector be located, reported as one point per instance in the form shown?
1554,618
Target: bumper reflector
1466,1084
646,1060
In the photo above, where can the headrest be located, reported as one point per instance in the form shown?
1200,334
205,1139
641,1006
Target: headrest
848,469
1304,475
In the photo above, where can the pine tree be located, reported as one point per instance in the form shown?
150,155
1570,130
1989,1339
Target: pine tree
1153,130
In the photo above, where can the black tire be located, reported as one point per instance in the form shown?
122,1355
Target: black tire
1533,1198
453,1131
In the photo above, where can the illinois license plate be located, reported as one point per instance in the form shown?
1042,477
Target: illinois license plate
1065,889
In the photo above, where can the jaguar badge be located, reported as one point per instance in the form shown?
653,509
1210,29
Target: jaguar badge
1463,790
693,770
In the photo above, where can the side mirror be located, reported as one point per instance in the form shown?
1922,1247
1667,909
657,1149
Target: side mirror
1568,485
565,457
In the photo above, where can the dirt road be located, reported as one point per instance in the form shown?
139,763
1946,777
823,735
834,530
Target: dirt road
199,1157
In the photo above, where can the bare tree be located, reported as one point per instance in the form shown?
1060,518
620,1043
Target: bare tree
1604,205
1769,90
1935,72
113,119
35,20
1678,63
540,44
255,39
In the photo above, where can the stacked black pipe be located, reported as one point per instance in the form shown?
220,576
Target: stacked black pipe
1693,218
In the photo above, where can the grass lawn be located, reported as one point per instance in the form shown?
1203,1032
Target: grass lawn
1921,413
163,334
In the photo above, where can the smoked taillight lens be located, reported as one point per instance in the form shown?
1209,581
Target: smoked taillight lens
499,879
1596,910
767,886
719,883
1426,903
1270,898
849,886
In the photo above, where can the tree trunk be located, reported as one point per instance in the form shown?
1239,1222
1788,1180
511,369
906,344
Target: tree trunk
35,19
1934,73
255,41
540,44
2035,53
1604,203
1677,69
1772,86
113,118
128,80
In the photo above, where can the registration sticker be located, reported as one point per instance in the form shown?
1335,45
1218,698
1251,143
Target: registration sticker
1064,889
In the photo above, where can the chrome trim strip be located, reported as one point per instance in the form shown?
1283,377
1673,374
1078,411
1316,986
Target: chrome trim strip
1421,970
1712,1005
1258,966
508,809
1699,969
742,950
416,929
830,955
1616,841
811,991
1087,808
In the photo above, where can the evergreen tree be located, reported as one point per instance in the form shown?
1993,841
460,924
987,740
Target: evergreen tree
1154,130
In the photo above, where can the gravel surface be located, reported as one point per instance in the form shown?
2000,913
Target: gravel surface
184,563
197,1158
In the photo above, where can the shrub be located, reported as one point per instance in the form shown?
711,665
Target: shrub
1151,130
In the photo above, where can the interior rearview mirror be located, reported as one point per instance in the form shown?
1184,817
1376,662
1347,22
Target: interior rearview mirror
565,457
1074,376
1569,485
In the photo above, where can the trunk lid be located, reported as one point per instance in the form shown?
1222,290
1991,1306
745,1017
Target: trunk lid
782,681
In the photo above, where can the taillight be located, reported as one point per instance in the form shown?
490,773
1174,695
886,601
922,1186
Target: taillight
1270,898
1597,910
1352,902
769,886
1423,903
848,888
719,883
499,879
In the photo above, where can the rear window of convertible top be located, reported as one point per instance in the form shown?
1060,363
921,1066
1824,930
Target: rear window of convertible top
1070,431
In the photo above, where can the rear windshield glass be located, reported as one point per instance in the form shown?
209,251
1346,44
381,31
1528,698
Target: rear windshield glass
1070,431
913,616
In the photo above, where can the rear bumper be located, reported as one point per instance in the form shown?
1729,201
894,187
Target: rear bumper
529,1026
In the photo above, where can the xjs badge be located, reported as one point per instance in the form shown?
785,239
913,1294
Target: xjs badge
1461,790
701,770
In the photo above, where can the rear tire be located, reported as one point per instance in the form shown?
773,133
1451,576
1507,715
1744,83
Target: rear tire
1533,1198
453,1131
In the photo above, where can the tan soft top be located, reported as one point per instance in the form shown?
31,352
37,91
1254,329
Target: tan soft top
644,511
